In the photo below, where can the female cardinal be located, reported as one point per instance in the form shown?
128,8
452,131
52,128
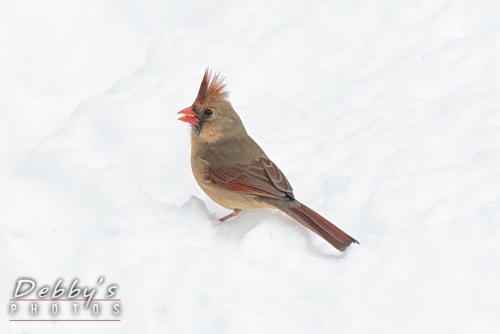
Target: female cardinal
234,171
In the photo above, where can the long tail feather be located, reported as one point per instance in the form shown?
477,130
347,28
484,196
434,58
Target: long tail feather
318,224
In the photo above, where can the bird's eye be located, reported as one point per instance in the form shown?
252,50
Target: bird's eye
208,112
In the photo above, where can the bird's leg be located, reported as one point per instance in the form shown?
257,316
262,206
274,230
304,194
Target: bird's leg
232,214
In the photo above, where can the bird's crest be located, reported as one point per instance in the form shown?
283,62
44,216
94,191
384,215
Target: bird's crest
211,88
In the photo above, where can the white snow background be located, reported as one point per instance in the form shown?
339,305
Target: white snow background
384,115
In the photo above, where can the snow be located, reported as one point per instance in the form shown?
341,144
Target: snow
384,116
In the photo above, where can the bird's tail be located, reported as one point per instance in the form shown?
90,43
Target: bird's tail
316,223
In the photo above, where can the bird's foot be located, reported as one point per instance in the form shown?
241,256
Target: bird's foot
232,214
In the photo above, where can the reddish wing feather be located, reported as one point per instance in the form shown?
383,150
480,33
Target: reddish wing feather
261,178
279,180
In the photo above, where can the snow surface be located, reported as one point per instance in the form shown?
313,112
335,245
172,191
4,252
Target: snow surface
384,115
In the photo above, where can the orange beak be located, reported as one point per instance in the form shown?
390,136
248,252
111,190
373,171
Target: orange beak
189,116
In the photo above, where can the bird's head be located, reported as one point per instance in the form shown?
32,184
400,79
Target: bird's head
211,116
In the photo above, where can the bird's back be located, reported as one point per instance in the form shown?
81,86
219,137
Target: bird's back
225,154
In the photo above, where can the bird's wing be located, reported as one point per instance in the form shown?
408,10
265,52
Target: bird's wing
261,178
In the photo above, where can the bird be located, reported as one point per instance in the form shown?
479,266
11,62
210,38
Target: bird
233,170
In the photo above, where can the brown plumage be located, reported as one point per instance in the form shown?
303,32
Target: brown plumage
235,172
